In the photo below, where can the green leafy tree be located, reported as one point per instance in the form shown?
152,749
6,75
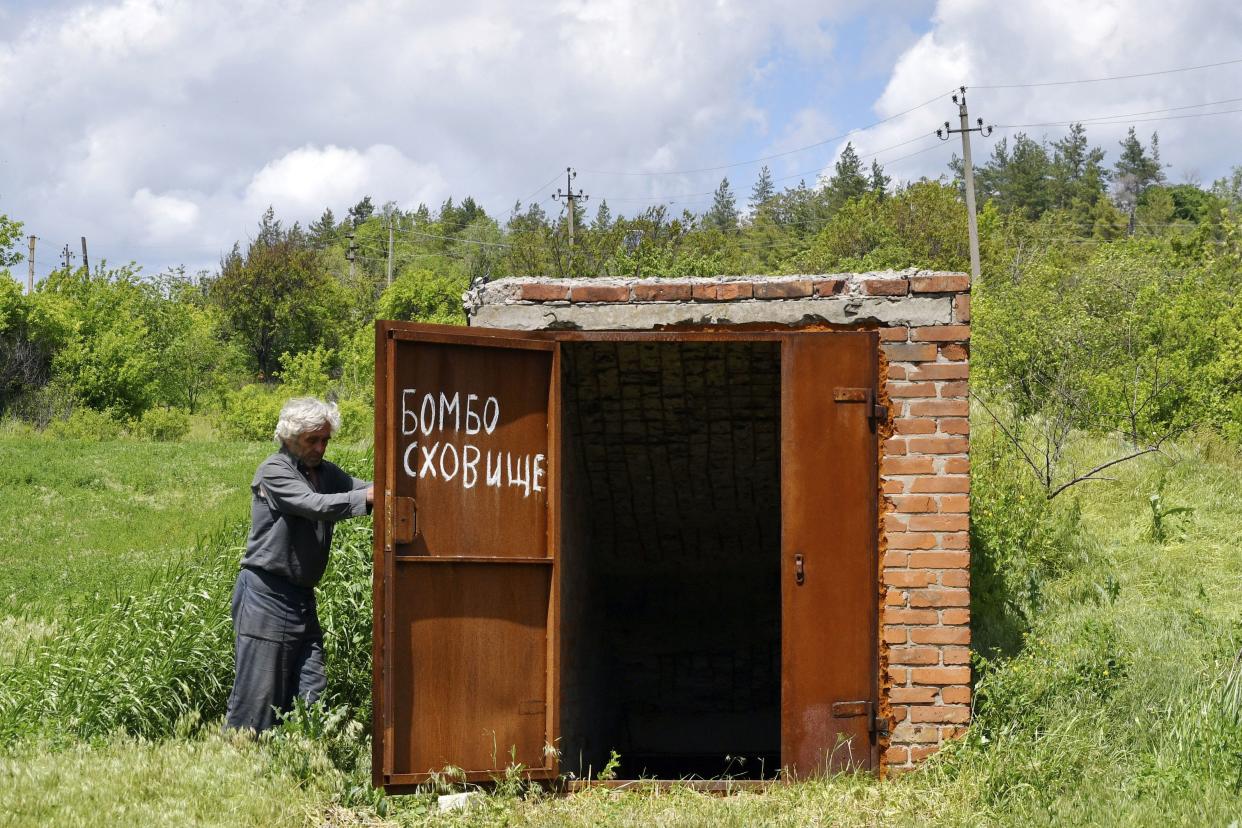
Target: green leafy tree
421,295
277,298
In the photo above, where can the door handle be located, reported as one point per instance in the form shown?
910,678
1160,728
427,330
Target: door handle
799,570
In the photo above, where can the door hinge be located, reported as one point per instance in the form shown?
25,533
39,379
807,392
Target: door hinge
876,411
400,520
877,725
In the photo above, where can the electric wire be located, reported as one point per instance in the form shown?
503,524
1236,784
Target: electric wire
1102,80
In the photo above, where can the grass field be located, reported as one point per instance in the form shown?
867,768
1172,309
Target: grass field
1111,696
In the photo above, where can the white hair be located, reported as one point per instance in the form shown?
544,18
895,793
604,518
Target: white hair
302,414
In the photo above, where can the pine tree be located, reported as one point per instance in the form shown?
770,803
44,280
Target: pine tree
1078,176
361,211
723,215
848,180
603,217
879,181
763,190
1135,170
323,230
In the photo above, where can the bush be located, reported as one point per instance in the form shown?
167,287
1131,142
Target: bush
85,424
164,425
250,413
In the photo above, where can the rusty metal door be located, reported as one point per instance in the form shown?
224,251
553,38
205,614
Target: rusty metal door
466,445
828,546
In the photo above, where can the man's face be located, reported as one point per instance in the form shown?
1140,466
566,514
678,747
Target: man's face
309,446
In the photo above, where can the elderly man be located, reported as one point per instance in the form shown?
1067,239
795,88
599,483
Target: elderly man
298,496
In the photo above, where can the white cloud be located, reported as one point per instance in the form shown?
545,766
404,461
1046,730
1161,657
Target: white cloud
1030,41
165,217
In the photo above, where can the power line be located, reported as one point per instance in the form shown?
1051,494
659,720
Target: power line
779,154
1109,78
1123,120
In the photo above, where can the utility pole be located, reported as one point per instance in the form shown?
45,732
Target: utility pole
350,255
86,263
67,256
390,249
570,198
30,268
969,169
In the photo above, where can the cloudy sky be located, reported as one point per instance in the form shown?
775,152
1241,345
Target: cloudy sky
161,129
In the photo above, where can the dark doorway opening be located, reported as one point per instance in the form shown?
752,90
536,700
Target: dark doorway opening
670,559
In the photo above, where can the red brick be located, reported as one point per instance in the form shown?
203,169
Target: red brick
911,389
543,292
954,351
954,483
895,446
941,371
910,351
894,523
947,733
940,408
940,675
907,465
914,655
829,287
896,371
886,287
955,425
938,523
955,503
955,540
910,616
938,445
956,465
662,292
907,732
897,333
940,333
955,615
895,558
933,597
961,308
893,487
955,655
957,388
955,695
939,560
728,291
911,540
955,578
600,293
908,578
912,695
920,752
914,504
899,675
894,598
798,289
909,425
896,755
940,713
940,635
896,635
941,283
704,293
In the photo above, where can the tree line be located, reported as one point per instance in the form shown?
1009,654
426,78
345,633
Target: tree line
1093,274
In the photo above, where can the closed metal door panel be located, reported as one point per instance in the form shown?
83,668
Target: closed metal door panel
828,546
466,453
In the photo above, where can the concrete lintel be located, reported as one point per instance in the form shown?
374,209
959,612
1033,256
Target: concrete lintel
913,311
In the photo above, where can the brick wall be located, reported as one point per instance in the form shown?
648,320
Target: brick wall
923,319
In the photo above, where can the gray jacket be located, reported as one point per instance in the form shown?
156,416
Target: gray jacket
291,521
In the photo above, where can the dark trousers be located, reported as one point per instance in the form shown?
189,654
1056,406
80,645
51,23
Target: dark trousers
278,649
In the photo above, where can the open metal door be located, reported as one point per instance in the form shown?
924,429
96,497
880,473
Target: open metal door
829,576
466,443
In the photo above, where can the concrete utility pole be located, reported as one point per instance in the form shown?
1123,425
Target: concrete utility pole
390,249
350,255
67,256
570,198
969,170
86,263
30,267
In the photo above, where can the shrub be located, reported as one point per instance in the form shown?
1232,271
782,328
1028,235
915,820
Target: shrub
86,424
164,425
250,413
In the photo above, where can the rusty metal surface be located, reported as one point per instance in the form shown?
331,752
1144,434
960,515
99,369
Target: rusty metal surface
829,625
464,652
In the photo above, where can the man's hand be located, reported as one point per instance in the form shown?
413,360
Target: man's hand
370,495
